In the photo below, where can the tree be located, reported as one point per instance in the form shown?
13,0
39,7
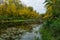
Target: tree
14,8
52,23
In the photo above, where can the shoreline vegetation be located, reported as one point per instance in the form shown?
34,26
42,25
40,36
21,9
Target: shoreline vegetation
51,26
15,13
11,23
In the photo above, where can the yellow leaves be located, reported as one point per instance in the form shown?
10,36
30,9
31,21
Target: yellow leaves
10,0
12,9
50,8
26,12
47,16
0,8
53,1
23,11
8,9
48,13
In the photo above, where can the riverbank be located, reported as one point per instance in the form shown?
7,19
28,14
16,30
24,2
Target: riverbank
11,23
22,32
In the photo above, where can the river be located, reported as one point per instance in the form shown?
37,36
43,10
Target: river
22,33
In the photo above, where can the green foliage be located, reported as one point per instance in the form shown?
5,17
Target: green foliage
51,26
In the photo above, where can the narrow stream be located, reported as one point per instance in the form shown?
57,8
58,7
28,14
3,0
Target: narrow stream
33,35
20,34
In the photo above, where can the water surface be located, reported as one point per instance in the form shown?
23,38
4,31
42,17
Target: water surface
23,32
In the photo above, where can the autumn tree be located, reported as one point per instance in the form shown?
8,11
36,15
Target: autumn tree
15,9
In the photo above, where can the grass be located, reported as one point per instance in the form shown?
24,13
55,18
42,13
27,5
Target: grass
51,30
13,21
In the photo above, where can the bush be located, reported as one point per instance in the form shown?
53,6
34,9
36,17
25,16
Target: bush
51,30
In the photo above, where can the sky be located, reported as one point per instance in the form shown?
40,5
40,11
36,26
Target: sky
1,1
36,4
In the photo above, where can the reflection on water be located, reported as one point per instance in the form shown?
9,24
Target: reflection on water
24,32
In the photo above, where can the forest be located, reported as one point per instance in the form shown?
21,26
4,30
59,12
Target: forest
13,11
15,17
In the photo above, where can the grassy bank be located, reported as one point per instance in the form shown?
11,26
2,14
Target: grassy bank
51,29
11,23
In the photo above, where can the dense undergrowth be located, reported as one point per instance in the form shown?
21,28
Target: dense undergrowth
51,26
51,30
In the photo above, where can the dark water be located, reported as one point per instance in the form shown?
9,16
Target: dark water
24,32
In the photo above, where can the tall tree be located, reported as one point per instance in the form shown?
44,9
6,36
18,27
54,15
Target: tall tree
52,23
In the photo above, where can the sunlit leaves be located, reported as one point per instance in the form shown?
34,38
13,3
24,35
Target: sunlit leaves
14,8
